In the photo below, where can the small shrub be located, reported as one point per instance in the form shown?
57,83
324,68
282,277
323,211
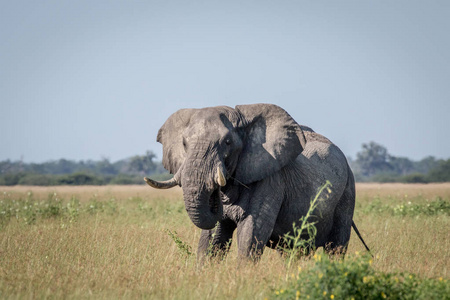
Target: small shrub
384,177
163,176
80,179
50,208
146,208
354,278
30,210
126,179
441,173
73,209
184,248
414,178
377,207
94,206
435,207
11,178
37,179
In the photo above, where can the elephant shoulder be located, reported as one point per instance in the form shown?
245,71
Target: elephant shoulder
312,136
319,148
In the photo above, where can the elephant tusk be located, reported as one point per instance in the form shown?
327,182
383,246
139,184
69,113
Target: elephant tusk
161,184
220,177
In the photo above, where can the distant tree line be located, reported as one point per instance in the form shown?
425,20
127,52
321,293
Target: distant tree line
68,172
372,164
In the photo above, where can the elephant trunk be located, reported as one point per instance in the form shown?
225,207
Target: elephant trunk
201,193
203,207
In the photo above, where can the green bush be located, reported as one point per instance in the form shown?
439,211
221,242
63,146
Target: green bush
355,278
414,178
137,179
162,176
80,179
30,209
184,249
438,206
37,179
11,178
435,207
385,177
126,179
441,173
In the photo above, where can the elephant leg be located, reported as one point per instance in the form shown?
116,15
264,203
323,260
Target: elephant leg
254,231
339,236
216,241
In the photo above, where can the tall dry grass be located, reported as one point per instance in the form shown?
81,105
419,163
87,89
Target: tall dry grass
413,243
122,249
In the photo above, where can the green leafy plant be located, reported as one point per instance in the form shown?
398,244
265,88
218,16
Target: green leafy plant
29,210
184,248
295,244
214,251
438,206
355,278
73,209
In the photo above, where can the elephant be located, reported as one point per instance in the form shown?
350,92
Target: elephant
255,169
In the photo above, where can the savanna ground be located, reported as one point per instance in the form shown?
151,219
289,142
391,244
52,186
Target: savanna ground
137,242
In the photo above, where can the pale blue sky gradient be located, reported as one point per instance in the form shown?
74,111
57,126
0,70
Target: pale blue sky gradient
92,79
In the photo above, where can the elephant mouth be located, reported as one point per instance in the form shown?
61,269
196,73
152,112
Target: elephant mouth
215,203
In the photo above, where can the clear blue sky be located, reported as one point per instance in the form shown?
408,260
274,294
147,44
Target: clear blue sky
92,79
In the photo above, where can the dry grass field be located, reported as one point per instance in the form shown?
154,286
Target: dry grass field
113,242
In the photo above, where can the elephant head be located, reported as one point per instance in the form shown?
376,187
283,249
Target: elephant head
207,149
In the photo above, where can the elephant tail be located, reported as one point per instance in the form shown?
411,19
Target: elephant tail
360,237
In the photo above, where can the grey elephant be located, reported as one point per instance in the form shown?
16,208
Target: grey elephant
255,169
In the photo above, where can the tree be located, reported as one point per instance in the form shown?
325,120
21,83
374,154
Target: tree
401,165
80,179
426,164
143,164
373,159
62,166
440,173
5,166
105,167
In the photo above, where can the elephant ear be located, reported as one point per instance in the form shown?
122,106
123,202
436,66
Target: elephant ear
273,139
170,136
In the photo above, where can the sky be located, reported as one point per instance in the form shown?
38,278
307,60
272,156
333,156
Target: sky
96,79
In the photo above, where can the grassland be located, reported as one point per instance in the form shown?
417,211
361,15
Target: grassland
114,242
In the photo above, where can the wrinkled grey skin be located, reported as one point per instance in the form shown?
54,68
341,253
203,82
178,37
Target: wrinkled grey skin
273,168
